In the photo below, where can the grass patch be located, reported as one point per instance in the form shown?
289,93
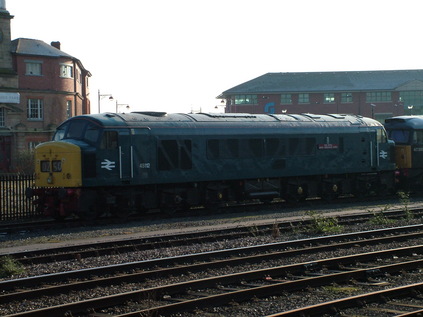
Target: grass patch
10,267
379,217
404,199
322,224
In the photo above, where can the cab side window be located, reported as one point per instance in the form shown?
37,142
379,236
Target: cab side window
418,137
91,134
109,140
381,136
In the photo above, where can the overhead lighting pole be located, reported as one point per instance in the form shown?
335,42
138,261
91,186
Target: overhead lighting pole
121,104
100,96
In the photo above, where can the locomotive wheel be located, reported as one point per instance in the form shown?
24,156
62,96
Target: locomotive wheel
330,192
296,193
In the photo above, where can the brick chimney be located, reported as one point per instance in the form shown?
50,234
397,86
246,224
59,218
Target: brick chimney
56,44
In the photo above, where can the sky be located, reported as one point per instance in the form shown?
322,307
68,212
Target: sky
178,56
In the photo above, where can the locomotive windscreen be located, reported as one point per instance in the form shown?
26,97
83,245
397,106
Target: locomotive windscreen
399,136
78,130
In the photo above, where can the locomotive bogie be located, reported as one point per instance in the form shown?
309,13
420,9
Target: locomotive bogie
144,161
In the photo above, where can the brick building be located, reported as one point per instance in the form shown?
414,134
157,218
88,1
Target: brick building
40,87
377,94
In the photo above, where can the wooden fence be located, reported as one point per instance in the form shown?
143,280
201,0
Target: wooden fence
13,202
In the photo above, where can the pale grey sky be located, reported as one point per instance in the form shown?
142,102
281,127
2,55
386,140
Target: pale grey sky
185,53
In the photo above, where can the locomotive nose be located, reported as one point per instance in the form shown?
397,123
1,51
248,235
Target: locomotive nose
58,164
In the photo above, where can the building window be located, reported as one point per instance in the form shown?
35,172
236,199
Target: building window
33,144
346,97
66,71
303,98
378,96
33,68
246,100
414,98
35,109
68,108
286,99
329,98
2,121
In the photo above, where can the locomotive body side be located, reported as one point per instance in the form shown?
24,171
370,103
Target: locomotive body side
142,161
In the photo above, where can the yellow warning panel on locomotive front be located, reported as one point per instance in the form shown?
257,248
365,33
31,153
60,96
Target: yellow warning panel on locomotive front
58,164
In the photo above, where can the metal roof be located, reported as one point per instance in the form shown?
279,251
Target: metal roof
327,82
404,122
226,120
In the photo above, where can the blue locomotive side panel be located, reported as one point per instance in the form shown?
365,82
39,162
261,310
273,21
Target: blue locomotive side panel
191,157
152,155
153,160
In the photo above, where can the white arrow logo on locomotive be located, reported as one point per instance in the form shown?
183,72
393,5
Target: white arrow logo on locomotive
108,165
383,154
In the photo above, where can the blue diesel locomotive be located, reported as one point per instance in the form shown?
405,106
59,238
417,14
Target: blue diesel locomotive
407,132
120,163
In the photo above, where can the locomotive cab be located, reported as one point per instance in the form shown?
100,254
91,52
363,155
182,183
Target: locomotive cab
407,132
61,166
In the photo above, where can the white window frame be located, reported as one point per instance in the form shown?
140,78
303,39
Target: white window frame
33,144
68,108
66,71
34,109
33,68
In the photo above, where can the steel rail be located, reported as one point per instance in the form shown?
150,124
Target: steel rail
285,286
275,288
358,300
139,244
124,245
183,269
235,256
279,271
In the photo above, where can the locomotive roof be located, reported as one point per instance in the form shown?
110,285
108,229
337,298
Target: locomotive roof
403,122
144,119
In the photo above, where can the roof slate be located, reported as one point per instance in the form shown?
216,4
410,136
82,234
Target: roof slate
24,46
326,82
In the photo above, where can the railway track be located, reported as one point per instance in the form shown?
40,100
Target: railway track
398,301
25,226
202,288
97,249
